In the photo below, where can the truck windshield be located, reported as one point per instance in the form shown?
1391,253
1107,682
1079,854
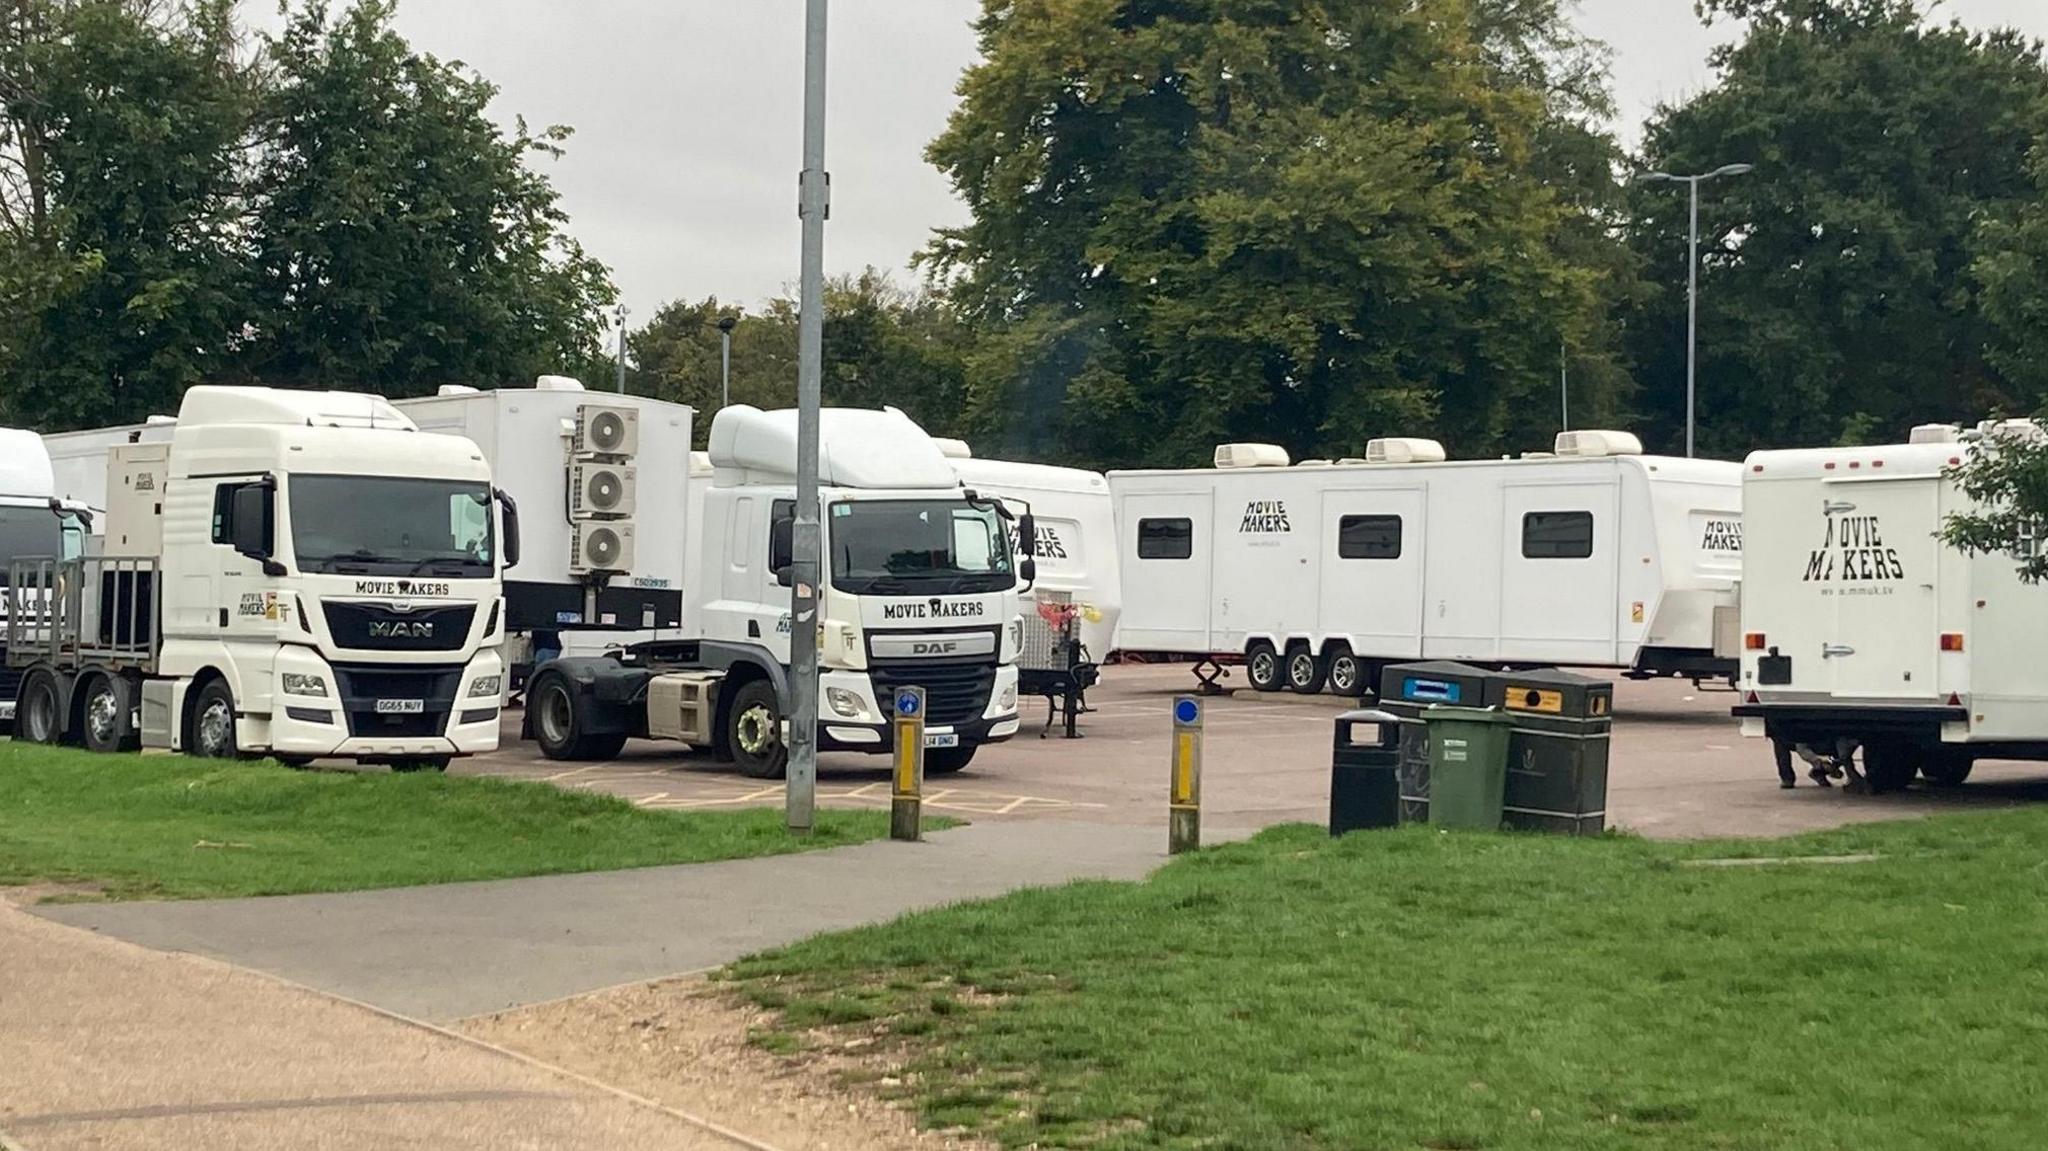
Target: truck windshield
27,532
386,525
908,547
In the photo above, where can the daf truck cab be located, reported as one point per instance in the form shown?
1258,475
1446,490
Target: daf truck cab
33,522
299,574
919,587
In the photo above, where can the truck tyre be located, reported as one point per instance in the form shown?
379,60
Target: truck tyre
38,717
947,760
101,720
1347,673
1946,768
422,763
1305,672
559,722
213,722
1889,765
1262,666
753,732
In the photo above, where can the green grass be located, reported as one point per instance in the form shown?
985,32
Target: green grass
173,827
1411,989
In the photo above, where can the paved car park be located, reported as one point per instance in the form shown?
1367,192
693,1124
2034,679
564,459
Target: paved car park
1679,768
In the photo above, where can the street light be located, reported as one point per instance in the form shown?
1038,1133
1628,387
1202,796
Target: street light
1692,275
814,204
623,313
725,326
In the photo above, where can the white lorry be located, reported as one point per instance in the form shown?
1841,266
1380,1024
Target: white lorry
303,574
919,587
33,522
1864,637
1320,573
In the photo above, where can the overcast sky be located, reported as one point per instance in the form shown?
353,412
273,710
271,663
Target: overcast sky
682,173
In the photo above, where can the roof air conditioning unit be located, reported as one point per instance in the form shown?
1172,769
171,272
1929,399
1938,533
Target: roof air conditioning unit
601,546
1407,450
1935,434
1251,456
1313,464
2026,431
953,449
603,430
455,390
1598,443
601,491
558,384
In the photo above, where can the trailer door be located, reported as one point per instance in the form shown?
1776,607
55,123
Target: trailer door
1371,565
1559,579
1168,550
1876,561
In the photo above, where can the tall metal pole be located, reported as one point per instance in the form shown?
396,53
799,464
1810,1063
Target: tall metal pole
725,374
814,196
623,313
1564,389
1692,316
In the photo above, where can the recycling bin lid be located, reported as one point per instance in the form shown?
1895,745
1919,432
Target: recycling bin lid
1435,681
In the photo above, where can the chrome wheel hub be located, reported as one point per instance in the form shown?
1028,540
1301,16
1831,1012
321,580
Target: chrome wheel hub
103,715
216,729
755,732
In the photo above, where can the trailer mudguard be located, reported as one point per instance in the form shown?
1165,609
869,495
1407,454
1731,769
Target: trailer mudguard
609,695
722,656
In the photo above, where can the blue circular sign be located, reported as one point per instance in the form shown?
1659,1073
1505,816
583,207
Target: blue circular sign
906,703
1186,711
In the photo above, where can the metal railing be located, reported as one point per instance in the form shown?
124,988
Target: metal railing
104,610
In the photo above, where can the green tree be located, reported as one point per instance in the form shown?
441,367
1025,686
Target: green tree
2012,267
2007,476
1837,300
1200,220
402,238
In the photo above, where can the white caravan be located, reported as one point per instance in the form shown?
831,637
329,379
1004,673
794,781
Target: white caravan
1596,556
1862,631
296,573
918,588
33,522
600,481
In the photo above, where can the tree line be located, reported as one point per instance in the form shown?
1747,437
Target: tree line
1309,222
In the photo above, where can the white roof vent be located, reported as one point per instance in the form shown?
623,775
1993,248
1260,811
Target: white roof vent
1597,443
1539,455
558,384
1935,434
1352,461
1404,450
1313,464
160,421
953,449
1251,456
455,390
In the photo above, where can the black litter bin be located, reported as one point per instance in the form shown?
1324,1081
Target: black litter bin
1365,765
1557,751
1409,689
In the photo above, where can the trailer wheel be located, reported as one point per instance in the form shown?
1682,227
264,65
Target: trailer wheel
1346,673
1262,666
753,732
38,717
1305,672
1889,765
559,722
101,721
947,760
1946,768
213,722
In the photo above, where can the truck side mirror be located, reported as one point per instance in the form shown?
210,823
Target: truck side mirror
1027,542
782,550
255,527
510,547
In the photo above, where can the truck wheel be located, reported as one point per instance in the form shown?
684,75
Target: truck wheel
37,716
213,722
1262,666
101,722
1947,768
423,763
1346,674
753,732
1889,765
947,760
1305,673
557,726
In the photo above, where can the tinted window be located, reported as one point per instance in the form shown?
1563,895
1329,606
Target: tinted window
1557,535
1369,538
1166,539
224,513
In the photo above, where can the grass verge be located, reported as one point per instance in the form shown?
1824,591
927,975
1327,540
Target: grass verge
174,827
1411,989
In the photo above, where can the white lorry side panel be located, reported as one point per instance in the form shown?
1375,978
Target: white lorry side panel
1266,572
1561,545
1375,551
1077,545
78,460
1166,551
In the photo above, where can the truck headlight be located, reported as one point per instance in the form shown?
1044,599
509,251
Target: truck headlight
844,703
297,684
485,685
1007,701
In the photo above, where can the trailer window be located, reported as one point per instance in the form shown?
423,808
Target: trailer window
1369,538
1557,535
1166,539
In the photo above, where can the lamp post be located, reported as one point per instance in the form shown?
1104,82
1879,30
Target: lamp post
814,202
725,326
1692,274
623,313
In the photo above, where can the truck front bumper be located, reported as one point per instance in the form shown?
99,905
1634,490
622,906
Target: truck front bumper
834,735
345,722
868,728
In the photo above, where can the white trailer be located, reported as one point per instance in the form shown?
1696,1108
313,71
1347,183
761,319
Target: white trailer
1595,556
78,460
302,574
1865,638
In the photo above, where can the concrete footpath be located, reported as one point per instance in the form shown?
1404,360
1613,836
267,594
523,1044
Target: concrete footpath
448,952
108,1046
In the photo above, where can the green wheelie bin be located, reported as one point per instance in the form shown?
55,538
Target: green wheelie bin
1468,766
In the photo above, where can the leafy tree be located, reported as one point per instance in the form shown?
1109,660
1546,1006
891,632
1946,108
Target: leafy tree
2012,268
2007,476
401,238
1198,220
1837,302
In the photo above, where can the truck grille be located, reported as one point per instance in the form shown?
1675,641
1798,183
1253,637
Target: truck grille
376,627
362,687
956,691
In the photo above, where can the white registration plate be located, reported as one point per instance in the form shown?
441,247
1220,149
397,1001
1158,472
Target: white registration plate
941,739
401,706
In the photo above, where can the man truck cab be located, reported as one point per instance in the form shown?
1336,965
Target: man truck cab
919,586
